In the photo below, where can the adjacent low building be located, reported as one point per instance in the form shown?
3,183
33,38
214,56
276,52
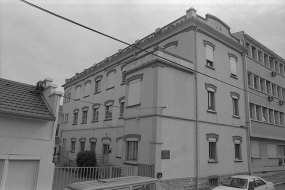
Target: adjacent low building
27,130
163,104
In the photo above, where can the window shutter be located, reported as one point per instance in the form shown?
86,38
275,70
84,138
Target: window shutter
111,78
87,89
119,147
209,53
77,93
272,150
233,66
134,92
255,152
17,177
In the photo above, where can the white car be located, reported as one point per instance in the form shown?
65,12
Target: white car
245,182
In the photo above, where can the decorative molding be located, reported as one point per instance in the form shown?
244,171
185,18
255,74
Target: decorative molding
233,56
218,20
97,105
207,85
122,98
73,139
89,81
85,108
99,77
174,43
82,139
77,86
237,138
117,139
132,136
106,138
76,110
93,139
209,44
140,76
212,135
235,94
111,71
110,102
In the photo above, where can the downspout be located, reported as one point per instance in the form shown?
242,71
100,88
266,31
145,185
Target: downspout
247,107
197,121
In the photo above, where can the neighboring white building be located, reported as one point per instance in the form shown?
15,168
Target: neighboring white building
27,130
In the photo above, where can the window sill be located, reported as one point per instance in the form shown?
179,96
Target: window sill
74,123
119,157
97,92
234,76
121,118
211,111
236,116
135,163
77,99
94,121
135,105
108,119
84,122
210,67
255,157
273,158
238,160
213,161
110,88
86,96
72,151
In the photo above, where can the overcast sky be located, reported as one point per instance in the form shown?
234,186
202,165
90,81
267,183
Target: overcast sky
36,45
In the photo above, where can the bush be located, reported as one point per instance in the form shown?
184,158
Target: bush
86,159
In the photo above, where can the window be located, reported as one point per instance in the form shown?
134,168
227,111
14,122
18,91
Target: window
213,182
251,110
212,140
266,60
276,117
274,90
270,116
171,47
248,49
271,150
73,141
108,109
75,116
257,113
209,56
122,106
67,98
249,83
237,143
66,118
98,83
95,115
253,52
262,85
281,150
211,90
268,87
78,92
93,141
233,64
279,92
87,88
63,143
271,63
132,150
281,69
119,147
84,114
259,56
134,90
276,66
111,78
281,118
264,114
235,98
255,150
82,146
255,82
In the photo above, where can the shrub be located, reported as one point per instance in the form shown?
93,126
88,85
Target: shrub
86,159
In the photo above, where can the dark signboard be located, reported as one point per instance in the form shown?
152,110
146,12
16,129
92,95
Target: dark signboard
165,154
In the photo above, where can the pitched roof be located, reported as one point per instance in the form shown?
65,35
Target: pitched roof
22,99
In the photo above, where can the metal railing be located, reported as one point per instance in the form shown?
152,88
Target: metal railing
67,175
146,170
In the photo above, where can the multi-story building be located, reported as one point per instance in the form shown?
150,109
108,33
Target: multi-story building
165,103
266,86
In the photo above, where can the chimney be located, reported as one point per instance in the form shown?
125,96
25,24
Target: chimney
48,81
190,13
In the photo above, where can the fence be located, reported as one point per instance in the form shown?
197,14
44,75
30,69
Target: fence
67,175
146,170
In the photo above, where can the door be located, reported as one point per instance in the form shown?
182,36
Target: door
105,153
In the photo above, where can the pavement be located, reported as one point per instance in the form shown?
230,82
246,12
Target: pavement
276,179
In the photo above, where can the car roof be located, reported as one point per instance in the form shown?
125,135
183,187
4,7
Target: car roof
244,176
109,183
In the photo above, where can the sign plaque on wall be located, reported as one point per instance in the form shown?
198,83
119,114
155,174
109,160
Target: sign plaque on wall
165,154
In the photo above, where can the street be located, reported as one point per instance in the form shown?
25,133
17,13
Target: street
280,187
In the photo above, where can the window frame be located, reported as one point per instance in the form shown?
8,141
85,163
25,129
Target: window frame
110,83
108,109
211,97
213,148
233,64
210,48
130,81
86,90
235,102
95,113
75,116
78,92
98,84
85,114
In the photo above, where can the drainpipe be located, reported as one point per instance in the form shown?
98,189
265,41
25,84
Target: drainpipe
247,107
197,121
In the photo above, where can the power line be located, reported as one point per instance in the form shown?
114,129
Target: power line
96,31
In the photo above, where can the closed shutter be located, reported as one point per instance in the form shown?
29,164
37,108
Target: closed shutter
233,66
255,151
272,150
111,80
87,89
119,147
22,174
134,92
209,53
